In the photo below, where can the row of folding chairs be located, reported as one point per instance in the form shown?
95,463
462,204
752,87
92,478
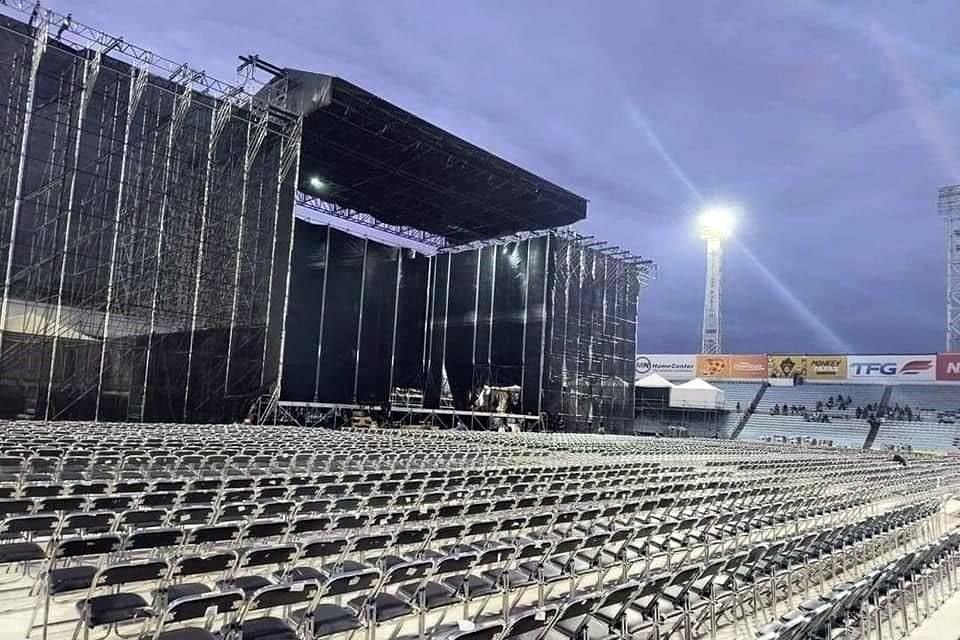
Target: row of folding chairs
880,601
352,596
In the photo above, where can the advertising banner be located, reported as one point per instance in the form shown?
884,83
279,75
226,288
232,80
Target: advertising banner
908,368
786,365
948,366
753,367
713,367
670,366
826,367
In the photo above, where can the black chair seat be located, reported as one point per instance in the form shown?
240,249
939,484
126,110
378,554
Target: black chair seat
329,619
177,591
267,628
515,578
71,578
20,552
434,594
299,574
115,607
187,633
385,606
475,585
347,566
248,584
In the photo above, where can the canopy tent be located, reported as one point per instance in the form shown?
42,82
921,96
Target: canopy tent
696,394
652,391
654,381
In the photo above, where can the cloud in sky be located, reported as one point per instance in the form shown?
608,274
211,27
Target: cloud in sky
832,126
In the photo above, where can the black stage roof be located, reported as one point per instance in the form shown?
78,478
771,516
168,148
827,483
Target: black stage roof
362,153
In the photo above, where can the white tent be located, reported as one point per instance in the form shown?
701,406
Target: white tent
696,394
654,381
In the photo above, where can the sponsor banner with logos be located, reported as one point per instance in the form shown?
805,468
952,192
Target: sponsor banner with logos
786,365
754,367
826,367
735,367
713,367
670,366
948,367
909,368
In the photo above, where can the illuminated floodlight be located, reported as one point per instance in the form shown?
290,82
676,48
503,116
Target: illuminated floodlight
317,183
717,222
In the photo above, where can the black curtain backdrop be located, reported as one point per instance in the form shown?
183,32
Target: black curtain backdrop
545,314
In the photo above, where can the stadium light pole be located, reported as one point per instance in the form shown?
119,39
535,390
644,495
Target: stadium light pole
716,226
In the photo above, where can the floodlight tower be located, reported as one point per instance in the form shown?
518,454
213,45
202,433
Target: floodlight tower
949,205
716,225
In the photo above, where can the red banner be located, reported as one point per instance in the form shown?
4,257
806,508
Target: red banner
948,366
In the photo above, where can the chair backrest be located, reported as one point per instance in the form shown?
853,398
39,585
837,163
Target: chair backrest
129,572
191,565
201,606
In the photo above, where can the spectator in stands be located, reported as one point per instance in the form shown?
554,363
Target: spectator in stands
738,406
858,413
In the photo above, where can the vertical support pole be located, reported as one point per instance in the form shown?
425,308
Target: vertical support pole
137,85
218,120
251,148
476,323
711,342
290,161
180,108
428,321
323,315
526,318
493,291
396,315
543,328
91,68
363,291
39,47
289,154
446,317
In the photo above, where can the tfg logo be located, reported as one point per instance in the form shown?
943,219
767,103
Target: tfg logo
910,368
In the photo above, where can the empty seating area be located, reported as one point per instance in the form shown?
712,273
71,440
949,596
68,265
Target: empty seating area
277,533
735,393
842,433
933,401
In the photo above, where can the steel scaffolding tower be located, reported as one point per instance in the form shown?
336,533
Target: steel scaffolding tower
145,228
949,206
711,339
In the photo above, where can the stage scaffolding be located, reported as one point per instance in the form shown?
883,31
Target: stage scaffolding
145,230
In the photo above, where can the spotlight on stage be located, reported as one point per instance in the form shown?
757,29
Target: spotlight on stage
317,183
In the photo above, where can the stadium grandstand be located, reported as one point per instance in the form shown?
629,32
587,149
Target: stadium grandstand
227,414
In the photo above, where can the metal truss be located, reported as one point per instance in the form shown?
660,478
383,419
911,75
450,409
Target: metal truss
81,36
425,238
949,207
146,219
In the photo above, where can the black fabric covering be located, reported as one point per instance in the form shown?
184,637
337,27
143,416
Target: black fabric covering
338,357
545,314
376,336
411,321
461,322
304,311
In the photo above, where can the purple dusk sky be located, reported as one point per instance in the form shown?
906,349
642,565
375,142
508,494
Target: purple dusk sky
831,124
